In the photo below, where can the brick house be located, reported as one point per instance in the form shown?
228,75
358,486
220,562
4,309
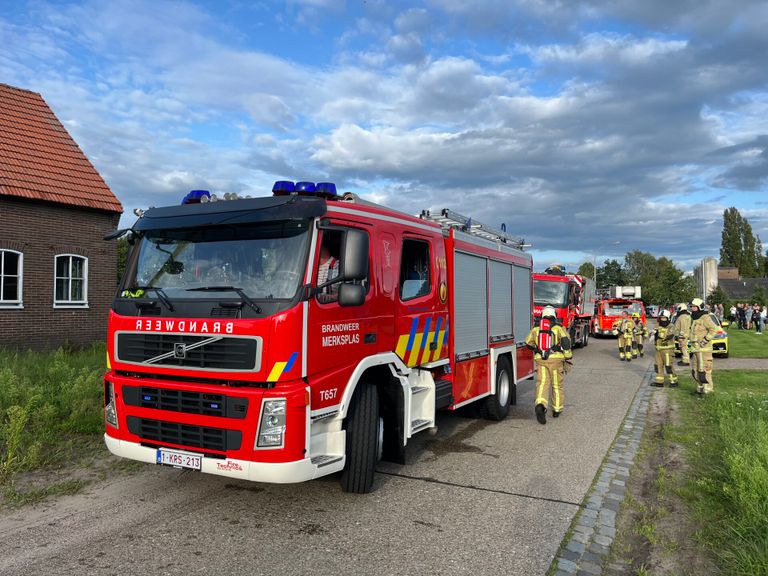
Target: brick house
57,274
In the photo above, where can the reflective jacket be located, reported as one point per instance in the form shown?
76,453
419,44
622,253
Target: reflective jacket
560,339
703,331
625,326
664,337
640,329
683,324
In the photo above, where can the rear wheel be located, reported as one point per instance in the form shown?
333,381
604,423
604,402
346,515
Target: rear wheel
585,342
364,440
496,406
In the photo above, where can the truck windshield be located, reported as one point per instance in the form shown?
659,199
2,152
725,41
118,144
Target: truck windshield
616,309
551,293
264,261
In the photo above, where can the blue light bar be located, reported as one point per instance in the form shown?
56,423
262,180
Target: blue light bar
327,189
283,187
305,187
196,196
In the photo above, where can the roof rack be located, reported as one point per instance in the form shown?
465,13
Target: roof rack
449,219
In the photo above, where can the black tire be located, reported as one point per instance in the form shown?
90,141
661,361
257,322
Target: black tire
496,406
585,342
362,426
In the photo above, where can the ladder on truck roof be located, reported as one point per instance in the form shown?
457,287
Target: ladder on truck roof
449,219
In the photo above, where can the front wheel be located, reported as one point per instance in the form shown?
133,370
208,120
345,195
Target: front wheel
585,342
496,406
363,442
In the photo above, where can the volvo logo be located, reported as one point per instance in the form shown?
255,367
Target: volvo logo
179,350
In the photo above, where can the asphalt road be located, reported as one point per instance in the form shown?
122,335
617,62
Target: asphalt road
476,498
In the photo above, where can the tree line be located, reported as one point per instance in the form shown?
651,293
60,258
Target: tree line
665,284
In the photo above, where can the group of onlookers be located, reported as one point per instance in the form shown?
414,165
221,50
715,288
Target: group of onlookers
748,316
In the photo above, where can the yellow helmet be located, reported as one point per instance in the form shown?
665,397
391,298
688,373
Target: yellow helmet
636,315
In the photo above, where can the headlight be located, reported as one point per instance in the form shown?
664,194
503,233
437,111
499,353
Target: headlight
720,336
272,424
110,409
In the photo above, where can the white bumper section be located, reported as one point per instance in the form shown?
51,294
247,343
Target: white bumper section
277,473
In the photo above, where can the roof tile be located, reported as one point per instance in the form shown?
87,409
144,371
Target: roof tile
41,161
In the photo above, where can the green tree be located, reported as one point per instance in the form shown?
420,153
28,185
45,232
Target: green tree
748,267
761,259
610,274
718,296
586,269
730,246
759,296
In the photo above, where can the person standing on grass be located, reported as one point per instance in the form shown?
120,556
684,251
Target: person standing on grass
703,331
748,316
763,318
757,319
682,329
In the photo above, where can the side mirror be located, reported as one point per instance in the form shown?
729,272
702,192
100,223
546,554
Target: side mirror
351,294
355,258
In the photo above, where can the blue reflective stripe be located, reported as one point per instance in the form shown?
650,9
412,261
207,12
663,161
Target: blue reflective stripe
291,360
412,337
426,333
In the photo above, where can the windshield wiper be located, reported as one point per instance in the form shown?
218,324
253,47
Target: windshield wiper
161,295
247,299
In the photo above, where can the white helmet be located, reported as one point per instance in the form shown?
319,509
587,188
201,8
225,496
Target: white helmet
698,302
683,306
548,311
664,314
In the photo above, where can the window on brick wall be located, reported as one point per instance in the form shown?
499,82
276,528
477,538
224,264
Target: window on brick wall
11,278
71,281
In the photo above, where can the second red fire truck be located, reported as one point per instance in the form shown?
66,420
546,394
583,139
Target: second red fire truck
285,338
573,298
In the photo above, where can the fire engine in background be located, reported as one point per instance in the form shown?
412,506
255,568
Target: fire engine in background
571,295
608,310
226,355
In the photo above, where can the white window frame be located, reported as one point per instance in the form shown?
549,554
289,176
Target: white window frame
71,303
19,303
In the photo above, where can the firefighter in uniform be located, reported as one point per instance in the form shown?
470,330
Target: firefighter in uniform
624,328
682,330
639,335
664,340
703,331
552,347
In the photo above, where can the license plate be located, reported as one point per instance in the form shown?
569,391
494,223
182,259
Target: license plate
179,459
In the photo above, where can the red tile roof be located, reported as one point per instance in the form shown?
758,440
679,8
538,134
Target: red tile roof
40,160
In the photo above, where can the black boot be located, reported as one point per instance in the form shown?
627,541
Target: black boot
541,413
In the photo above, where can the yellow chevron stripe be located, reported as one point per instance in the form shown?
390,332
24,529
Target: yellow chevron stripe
402,342
276,372
439,345
425,355
414,357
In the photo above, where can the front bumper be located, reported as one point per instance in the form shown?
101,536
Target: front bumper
276,473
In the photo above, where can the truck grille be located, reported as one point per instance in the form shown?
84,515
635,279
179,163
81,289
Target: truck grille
195,352
184,434
185,401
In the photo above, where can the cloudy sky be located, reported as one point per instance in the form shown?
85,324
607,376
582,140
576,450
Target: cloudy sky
590,128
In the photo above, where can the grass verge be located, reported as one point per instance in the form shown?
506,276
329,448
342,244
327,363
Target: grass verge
51,414
726,488
747,344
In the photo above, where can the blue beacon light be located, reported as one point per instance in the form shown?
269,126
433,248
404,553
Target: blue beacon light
327,189
305,187
196,197
283,187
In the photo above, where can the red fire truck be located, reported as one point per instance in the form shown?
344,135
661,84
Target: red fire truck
608,310
573,298
285,338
